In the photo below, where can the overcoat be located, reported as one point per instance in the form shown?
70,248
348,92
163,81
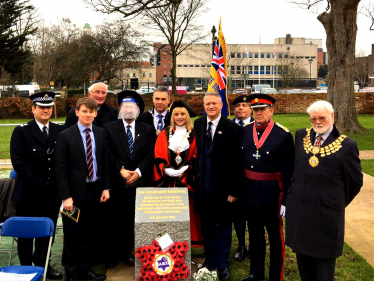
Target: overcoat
318,197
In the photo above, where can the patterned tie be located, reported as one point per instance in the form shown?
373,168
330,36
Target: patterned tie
208,134
89,154
159,124
45,132
318,141
241,123
130,140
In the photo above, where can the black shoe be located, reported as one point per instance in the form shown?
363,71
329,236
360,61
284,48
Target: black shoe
253,278
53,274
223,274
240,253
129,261
92,276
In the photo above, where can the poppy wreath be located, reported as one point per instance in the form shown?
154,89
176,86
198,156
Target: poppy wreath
164,266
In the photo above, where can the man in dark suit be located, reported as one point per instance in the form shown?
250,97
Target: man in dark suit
242,113
97,91
159,116
82,173
32,150
268,159
326,179
217,177
131,151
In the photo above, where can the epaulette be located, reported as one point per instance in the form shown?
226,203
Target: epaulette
249,123
283,127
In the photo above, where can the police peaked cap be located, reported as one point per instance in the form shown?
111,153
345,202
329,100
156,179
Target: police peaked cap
131,96
261,100
43,98
181,103
240,99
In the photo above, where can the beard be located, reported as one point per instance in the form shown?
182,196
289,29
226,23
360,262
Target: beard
320,129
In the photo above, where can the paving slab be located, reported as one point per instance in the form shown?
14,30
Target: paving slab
359,221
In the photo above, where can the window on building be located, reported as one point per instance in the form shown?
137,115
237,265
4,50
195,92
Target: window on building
127,74
164,58
170,78
203,65
185,65
150,75
262,55
191,65
285,56
250,55
165,52
232,55
164,64
197,65
164,78
280,55
256,67
256,55
239,55
232,69
268,55
238,69
250,68
143,74
133,75
179,65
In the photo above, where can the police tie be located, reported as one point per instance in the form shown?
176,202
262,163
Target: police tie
45,132
208,134
89,154
241,123
318,141
130,140
160,123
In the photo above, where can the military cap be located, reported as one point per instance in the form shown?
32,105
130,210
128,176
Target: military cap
240,99
43,98
131,96
261,100
181,103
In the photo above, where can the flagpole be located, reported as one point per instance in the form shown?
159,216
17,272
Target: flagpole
259,61
273,63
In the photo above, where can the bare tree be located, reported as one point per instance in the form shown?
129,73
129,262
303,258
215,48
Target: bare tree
361,68
291,70
340,22
368,11
128,8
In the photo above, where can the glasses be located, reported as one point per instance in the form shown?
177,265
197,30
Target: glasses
320,119
129,107
99,92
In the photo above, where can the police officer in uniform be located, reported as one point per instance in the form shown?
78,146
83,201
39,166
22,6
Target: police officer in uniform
32,148
242,113
268,158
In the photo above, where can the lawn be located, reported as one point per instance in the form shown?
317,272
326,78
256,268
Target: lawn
368,166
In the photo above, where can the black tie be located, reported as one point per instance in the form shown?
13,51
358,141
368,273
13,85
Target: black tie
45,132
209,134
241,123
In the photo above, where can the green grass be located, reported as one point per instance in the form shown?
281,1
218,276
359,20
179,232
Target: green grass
368,166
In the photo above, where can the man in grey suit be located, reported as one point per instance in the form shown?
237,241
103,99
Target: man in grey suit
82,173
327,176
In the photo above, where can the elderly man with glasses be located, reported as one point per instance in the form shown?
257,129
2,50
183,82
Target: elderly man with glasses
326,179
97,91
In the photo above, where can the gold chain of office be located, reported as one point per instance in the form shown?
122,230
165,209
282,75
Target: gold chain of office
326,150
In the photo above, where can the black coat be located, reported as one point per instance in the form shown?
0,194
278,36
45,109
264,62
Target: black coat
104,115
318,197
33,159
147,117
277,155
71,164
119,153
226,168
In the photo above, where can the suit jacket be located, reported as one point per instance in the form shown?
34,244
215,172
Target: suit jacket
104,115
33,159
119,152
226,169
318,197
147,117
71,164
277,156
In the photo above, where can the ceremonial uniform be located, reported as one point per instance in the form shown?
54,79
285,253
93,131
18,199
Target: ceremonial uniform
32,150
150,118
268,159
324,182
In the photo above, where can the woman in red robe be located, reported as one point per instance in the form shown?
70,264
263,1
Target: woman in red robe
175,153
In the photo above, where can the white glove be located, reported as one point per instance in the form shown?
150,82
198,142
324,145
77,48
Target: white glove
282,212
183,169
172,173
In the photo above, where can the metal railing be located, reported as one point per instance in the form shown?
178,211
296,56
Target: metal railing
6,131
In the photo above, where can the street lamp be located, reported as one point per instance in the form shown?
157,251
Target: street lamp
214,38
310,68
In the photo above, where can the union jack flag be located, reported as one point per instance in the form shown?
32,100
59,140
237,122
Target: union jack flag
218,62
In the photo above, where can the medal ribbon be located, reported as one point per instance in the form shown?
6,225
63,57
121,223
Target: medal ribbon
264,136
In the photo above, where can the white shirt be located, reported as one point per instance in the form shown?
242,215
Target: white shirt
324,136
214,125
40,125
132,130
155,118
246,121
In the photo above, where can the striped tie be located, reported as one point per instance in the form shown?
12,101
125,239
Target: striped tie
89,154
318,141
130,140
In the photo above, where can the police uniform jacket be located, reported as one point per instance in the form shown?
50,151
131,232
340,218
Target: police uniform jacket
104,115
277,156
33,158
318,196
147,117
226,168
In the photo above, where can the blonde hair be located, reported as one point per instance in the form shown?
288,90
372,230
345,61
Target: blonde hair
188,118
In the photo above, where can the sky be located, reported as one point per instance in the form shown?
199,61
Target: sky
243,21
